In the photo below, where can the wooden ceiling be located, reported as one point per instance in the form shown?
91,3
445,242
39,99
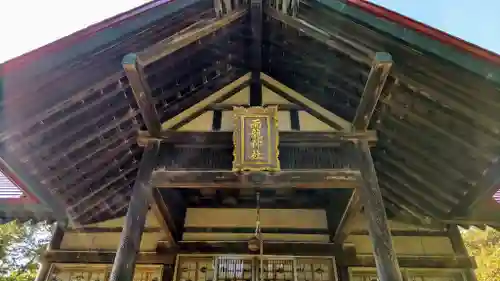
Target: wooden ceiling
69,127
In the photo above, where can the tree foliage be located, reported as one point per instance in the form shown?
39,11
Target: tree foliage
20,246
485,247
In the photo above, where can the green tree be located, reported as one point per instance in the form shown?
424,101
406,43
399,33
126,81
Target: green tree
20,246
485,247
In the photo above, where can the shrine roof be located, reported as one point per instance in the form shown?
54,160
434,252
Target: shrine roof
70,120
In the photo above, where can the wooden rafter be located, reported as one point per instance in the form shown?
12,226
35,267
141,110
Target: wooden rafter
256,52
379,72
187,36
142,94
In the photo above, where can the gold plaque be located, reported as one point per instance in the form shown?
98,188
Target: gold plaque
255,139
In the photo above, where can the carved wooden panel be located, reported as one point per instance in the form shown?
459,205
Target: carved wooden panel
255,139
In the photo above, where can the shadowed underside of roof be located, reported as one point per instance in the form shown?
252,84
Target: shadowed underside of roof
69,126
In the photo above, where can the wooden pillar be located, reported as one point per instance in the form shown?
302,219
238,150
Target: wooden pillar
130,240
374,211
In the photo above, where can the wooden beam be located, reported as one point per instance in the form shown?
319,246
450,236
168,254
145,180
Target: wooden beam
435,262
346,224
334,178
256,20
379,72
315,139
187,36
378,226
230,107
130,240
57,256
270,248
142,94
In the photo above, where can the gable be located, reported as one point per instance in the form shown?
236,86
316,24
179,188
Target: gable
214,113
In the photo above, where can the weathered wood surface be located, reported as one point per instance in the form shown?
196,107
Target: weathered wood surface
378,227
335,178
379,72
142,94
130,240
315,139
56,256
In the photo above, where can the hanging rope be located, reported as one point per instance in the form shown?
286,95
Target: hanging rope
257,220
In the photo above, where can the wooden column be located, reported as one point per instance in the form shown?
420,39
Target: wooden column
130,240
378,227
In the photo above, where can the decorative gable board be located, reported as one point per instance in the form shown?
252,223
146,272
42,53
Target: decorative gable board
204,122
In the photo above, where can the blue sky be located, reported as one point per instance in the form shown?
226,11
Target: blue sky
476,21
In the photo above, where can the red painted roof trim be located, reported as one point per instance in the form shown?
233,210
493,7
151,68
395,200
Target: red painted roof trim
425,29
28,197
78,36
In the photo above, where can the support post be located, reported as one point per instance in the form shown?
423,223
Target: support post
381,66
142,94
371,198
130,240
256,52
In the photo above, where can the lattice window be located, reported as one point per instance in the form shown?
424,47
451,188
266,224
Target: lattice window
314,270
196,269
246,268
234,269
278,270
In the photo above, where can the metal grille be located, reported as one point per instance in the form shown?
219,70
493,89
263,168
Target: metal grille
234,269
